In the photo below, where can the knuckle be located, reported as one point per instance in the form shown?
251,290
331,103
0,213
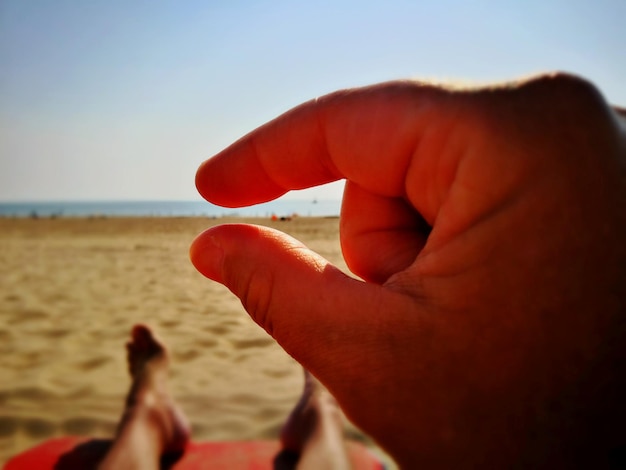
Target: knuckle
567,92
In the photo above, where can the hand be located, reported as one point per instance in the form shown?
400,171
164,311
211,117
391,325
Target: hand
489,227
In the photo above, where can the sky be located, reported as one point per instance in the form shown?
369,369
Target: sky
123,99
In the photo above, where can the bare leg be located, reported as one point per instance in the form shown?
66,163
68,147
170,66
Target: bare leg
314,430
152,425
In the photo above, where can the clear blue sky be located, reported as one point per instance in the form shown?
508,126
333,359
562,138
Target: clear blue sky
122,99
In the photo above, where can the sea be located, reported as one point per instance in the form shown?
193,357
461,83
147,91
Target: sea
279,208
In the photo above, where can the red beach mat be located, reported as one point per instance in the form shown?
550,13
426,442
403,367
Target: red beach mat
72,452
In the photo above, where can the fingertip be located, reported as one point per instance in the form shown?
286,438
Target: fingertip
203,180
235,177
207,255
198,179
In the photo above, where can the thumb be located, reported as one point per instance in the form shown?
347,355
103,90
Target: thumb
310,307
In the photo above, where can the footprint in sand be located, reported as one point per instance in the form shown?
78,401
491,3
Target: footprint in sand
276,373
57,333
218,330
169,323
93,363
206,343
79,426
23,316
8,426
36,427
252,343
186,355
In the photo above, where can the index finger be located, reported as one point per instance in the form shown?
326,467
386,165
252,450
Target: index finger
342,135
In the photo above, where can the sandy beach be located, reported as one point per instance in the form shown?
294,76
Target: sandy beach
72,289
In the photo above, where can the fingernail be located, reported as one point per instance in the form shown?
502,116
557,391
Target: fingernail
207,256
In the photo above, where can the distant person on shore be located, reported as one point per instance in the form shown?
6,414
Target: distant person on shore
489,227
153,425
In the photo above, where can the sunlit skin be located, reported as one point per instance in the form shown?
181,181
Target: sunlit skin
488,226
152,424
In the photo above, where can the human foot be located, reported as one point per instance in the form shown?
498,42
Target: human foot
316,412
148,402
